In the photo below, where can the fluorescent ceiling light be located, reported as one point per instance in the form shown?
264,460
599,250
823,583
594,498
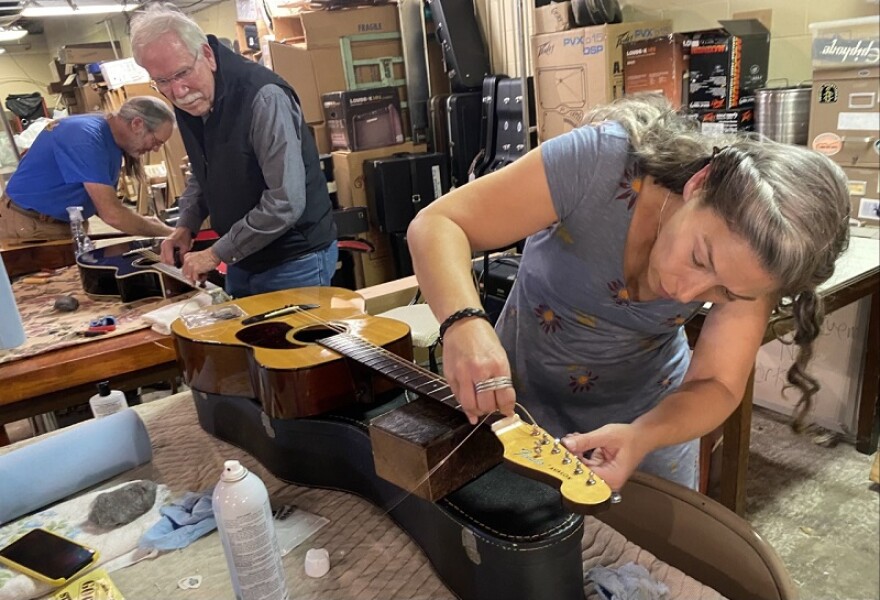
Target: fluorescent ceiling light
63,10
10,35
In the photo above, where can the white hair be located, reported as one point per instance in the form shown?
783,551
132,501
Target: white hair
160,18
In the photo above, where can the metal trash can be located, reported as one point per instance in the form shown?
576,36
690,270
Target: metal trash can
783,114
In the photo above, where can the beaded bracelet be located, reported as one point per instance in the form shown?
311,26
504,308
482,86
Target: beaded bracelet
464,313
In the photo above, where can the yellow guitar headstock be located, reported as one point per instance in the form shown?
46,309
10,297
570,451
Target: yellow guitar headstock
532,451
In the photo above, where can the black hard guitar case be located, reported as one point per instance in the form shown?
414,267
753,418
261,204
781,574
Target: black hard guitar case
463,111
499,536
464,53
509,128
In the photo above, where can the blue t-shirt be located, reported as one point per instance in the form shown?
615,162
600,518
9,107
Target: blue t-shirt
73,151
584,354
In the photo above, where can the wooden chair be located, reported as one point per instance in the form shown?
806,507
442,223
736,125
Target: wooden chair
701,538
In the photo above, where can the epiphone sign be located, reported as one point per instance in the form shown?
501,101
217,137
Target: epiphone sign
863,52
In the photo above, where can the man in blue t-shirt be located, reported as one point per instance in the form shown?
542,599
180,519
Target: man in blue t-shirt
76,161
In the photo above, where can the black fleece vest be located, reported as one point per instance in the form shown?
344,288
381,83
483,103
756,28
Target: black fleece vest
224,163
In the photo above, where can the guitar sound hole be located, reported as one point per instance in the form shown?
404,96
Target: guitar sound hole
310,335
267,335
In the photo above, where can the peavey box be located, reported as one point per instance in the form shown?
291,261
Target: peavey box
719,122
363,119
727,64
658,65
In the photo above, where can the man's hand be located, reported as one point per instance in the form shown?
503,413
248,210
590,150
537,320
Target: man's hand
180,240
158,227
197,264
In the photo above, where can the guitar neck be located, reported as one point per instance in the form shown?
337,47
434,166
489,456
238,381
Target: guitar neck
408,375
177,274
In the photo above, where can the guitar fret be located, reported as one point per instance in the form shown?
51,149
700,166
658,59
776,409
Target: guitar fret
428,384
380,360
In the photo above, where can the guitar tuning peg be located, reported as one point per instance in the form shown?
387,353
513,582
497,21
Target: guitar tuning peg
536,430
566,460
578,470
545,439
556,447
591,480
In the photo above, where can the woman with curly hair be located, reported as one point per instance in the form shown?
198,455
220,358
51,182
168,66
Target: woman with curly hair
634,222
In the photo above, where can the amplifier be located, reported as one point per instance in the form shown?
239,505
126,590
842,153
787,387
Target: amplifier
501,275
399,186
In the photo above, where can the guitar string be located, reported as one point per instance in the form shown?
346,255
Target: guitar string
432,378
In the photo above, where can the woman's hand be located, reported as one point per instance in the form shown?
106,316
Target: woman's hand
472,353
617,452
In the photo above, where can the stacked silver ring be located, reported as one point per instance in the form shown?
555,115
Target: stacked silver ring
495,383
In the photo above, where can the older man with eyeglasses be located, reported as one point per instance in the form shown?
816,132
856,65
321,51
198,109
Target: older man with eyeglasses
255,165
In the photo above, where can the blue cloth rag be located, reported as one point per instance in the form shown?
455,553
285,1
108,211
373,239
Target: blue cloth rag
183,522
629,582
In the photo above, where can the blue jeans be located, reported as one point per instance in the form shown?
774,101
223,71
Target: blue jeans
313,269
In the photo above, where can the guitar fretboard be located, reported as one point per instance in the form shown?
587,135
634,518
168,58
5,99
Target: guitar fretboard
399,370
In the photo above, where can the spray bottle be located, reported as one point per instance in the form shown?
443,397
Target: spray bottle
81,241
244,519
107,401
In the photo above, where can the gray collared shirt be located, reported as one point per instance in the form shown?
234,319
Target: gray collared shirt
276,137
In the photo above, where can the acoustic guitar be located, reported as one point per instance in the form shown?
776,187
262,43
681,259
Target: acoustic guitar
134,271
306,351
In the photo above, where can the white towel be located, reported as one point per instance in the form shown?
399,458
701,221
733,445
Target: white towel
161,319
70,519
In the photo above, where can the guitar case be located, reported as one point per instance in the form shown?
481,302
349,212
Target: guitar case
499,536
465,56
509,129
439,123
463,112
488,123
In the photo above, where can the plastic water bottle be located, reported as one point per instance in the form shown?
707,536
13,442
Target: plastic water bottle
107,401
244,519
81,242
11,329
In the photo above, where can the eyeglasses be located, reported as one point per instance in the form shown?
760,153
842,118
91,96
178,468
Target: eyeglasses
181,75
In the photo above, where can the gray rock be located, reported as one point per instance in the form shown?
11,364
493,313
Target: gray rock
123,505
66,304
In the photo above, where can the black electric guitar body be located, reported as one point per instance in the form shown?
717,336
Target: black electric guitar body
131,271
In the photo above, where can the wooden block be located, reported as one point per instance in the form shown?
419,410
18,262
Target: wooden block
412,440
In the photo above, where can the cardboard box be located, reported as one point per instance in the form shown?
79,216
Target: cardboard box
82,54
864,194
323,28
731,120
322,137
845,116
363,119
373,268
727,64
846,43
313,73
579,69
658,65
553,17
